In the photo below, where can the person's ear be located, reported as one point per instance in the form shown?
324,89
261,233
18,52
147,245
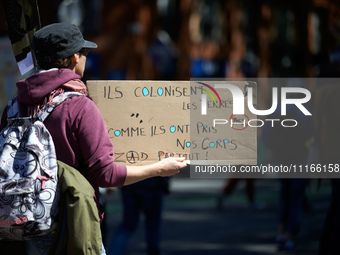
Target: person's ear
75,58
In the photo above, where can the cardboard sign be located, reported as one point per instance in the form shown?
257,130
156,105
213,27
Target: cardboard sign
219,136
151,120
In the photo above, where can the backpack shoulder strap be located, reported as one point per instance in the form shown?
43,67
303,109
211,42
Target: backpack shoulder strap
13,108
57,101
13,105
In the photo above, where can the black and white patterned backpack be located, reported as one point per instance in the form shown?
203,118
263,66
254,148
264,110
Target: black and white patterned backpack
29,192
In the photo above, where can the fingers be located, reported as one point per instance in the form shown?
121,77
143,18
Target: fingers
179,159
172,165
182,164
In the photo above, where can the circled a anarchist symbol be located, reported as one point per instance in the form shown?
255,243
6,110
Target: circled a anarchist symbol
132,157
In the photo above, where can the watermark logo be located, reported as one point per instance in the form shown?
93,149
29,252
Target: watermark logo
204,97
238,100
302,96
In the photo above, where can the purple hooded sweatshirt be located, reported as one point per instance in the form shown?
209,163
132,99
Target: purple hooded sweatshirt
77,127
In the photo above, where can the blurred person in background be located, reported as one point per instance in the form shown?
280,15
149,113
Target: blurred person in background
288,146
327,122
146,198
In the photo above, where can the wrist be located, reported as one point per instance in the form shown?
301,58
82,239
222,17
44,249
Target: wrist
157,168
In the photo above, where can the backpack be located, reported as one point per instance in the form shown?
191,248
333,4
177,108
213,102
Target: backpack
29,192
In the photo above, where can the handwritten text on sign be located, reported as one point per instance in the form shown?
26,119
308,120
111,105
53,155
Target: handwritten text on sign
150,120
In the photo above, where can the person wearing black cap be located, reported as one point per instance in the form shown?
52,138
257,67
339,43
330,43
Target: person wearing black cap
77,127
56,43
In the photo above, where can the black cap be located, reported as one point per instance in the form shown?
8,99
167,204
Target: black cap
57,41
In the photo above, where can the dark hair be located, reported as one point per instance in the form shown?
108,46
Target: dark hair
59,63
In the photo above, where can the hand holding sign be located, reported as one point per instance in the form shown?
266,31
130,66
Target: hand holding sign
164,168
170,166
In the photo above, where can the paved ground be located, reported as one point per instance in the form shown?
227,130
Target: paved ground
192,225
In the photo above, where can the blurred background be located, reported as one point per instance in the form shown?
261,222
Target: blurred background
179,40
176,40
